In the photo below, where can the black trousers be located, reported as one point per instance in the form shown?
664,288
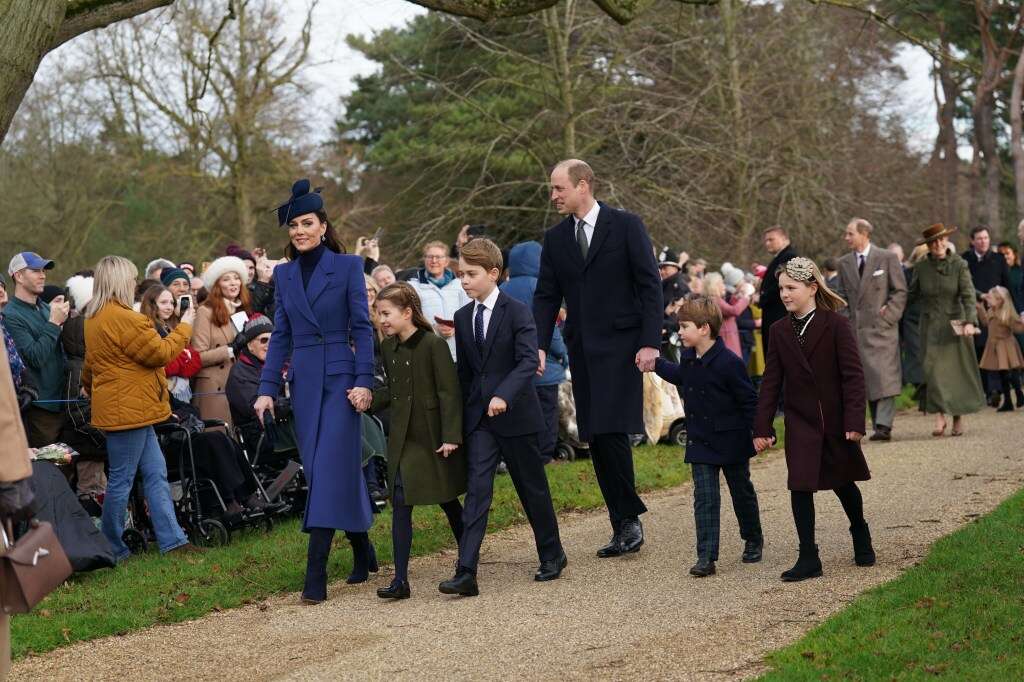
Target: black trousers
613,464
548,436
484,449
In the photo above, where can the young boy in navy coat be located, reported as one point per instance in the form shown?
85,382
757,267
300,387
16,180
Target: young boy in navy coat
496,347
720,404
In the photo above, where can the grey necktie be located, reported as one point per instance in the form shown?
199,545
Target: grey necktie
581,239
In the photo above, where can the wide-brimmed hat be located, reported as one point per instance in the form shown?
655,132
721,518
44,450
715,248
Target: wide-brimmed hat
936,231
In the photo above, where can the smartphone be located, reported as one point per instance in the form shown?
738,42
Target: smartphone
443,322
239,319
184,303
376,235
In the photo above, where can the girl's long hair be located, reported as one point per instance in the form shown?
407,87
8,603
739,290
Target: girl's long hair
823,297
1006,313
148,308
331,240
219,308
374,318
114,281
402,296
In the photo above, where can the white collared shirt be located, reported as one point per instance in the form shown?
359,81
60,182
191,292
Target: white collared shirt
589,223
488,305
864,254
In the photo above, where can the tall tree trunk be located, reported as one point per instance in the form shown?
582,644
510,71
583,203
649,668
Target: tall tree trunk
558,34
993,172
946,155
28,29
1016,141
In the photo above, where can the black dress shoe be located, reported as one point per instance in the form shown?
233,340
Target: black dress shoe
464,584
752,551
398,589
703,568
550,570
631,536
882,433
613,548
808,565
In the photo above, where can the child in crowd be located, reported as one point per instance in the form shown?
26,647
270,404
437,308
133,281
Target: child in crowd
1002,352
421,390
496,344
720,403
813,359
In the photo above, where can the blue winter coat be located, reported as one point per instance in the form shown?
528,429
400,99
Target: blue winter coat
316,328
523,268
720,404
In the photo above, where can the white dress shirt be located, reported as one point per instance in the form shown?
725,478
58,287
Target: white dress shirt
589,223
488,305
862,256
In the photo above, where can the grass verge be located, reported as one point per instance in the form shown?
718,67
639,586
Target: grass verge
956,614
152,589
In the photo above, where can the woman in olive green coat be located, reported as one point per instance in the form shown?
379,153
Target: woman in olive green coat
942,286
425,464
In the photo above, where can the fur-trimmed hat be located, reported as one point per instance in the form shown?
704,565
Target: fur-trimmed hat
80,289
221,267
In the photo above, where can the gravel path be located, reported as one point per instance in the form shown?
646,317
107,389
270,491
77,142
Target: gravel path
612,618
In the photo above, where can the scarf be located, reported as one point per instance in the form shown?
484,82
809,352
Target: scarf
13,356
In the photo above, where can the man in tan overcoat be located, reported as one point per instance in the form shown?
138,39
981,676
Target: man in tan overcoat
15,490
872,282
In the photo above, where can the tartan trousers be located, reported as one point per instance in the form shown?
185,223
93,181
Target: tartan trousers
707,505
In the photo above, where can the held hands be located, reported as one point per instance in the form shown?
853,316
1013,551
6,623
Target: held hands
645,358
497,406
263,404
543,361
360,398
762,444
446,449
854,436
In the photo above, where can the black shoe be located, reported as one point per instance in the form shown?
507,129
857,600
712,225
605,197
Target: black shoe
808,565
364,558
551,570
1020,397
752,551
314,590
1007,405
703,568
882,433
631,536
613,548
863,552
463,584
398,589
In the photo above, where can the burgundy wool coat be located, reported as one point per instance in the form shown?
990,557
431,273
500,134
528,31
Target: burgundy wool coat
824,397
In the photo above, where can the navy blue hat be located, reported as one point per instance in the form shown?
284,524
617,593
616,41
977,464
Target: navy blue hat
302,201
171,274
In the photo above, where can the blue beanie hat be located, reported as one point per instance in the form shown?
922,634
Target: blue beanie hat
171,274
302,201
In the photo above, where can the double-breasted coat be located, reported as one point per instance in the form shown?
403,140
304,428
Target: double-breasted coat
825,398
614,308
882,286
1002,351
318,326
422,392
213,343
943,289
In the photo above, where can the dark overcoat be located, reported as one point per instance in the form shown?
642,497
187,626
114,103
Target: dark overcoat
317,328
719,401
421,389
614,306
772,309
824,397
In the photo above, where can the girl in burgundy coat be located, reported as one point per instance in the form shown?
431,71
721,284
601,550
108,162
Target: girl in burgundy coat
813,358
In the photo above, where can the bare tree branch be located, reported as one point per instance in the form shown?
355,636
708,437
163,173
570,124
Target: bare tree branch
83,16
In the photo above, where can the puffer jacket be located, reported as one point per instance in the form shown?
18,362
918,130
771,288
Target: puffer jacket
124,368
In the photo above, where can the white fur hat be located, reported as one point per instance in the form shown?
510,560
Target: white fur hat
732,275
221,267
80,289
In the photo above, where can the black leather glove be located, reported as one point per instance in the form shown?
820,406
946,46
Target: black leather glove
17,501
27,394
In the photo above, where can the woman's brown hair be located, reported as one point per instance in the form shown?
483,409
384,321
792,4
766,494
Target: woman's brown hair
402,296
219,308
148,307
331,240
806,271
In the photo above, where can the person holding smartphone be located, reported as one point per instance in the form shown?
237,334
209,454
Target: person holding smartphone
218,320
440,292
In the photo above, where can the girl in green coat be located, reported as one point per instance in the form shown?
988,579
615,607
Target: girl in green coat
425,465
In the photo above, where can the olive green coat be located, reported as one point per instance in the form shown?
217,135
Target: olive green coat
944,290
422,392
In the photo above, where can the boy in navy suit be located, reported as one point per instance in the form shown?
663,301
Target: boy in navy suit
496,345
720,404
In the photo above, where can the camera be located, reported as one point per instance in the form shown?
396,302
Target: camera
184,303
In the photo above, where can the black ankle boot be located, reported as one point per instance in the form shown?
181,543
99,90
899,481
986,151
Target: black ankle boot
808,565
315,589
863,552
1020,396
1007,405
364,558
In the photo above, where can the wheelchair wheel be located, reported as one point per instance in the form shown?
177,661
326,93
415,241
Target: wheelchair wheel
677,433
212,533
135,541
566,452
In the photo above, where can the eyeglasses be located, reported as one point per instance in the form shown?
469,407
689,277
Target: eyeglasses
263,340
434,257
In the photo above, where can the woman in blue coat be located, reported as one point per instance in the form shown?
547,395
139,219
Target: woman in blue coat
321,314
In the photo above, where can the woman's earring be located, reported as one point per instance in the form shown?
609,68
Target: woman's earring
323,237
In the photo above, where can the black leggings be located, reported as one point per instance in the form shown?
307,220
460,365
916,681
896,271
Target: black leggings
401,528
803,510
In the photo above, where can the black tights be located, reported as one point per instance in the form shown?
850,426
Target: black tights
401,528
803,510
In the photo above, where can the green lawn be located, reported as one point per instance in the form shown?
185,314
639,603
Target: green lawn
958,614
152,589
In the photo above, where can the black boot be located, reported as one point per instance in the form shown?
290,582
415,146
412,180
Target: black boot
863,552
808,565
1007,405
1020,396
315,589
364,558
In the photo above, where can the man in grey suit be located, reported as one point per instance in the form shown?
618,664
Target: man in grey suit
872,282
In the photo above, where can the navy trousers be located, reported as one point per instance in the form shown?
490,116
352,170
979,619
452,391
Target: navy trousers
707,505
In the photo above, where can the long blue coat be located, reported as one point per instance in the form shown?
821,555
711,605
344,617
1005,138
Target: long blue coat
317,327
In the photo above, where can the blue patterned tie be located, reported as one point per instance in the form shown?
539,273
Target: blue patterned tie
478,325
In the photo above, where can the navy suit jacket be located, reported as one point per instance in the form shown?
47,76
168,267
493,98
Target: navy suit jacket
720,404
504,367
